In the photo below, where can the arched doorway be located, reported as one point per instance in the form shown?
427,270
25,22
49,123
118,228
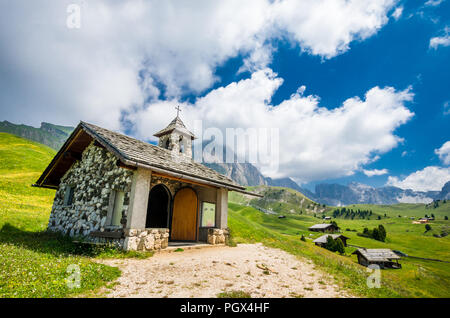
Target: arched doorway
184,216
158,207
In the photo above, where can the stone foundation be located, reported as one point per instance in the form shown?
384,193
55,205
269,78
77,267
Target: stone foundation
118,243
217,236
146,239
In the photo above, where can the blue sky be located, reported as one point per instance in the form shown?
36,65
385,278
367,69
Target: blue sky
399,55
374,75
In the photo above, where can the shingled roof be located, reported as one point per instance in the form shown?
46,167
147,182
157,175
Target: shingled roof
321,226
132,152
323,238
377,254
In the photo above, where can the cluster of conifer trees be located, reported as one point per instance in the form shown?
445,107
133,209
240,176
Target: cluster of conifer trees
351,214
378,234
335,245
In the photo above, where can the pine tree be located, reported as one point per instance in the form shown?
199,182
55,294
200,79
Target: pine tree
382,232
331,244
376,234
340,246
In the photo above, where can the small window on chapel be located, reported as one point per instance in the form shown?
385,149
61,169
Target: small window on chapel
208,214
118,207
68,195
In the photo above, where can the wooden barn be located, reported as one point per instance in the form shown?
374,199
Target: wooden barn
325,227
322,241
383,257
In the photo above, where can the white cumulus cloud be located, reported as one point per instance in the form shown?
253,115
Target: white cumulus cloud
430,178
397,13
443,40
446,107
129,52
314,142
444,153
326,27
375,172
433,3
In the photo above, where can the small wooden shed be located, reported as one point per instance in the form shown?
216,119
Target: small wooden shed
325,227
383,257
322,241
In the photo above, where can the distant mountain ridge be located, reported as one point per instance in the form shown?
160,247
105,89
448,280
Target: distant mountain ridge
331,194
48,134
243,173
353,193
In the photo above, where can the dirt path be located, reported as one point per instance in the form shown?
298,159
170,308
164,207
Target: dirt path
253,268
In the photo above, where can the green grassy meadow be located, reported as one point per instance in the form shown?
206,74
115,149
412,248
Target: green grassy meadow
34,263
417,278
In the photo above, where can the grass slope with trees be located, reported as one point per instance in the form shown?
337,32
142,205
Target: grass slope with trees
417,278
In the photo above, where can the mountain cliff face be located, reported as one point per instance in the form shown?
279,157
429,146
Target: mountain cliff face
445,192
289,183
48,134
243,173
248,175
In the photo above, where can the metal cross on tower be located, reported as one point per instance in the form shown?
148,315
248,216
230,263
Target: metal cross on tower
178,110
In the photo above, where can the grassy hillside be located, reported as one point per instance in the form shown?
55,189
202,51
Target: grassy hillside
34,263
406,210
48,134
417,278
21,162
279,200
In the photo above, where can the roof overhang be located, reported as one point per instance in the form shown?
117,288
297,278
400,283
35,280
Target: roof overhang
69,153
181,131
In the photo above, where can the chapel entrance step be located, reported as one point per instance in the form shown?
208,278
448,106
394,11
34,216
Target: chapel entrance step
176,246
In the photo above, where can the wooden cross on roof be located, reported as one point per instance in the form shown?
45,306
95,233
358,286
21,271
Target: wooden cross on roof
178,110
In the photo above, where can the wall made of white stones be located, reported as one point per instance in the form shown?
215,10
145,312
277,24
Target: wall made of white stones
217,236
146,239
94,177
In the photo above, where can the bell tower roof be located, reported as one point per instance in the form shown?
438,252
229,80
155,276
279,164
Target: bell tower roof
176,124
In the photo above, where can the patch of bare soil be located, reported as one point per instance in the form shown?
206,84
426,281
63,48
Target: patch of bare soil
252,268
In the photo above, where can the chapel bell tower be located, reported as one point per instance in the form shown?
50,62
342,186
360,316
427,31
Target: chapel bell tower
176,137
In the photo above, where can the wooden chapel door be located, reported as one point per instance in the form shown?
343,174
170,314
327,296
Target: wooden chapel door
184,217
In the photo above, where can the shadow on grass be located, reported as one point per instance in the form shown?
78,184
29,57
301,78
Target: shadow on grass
50,242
